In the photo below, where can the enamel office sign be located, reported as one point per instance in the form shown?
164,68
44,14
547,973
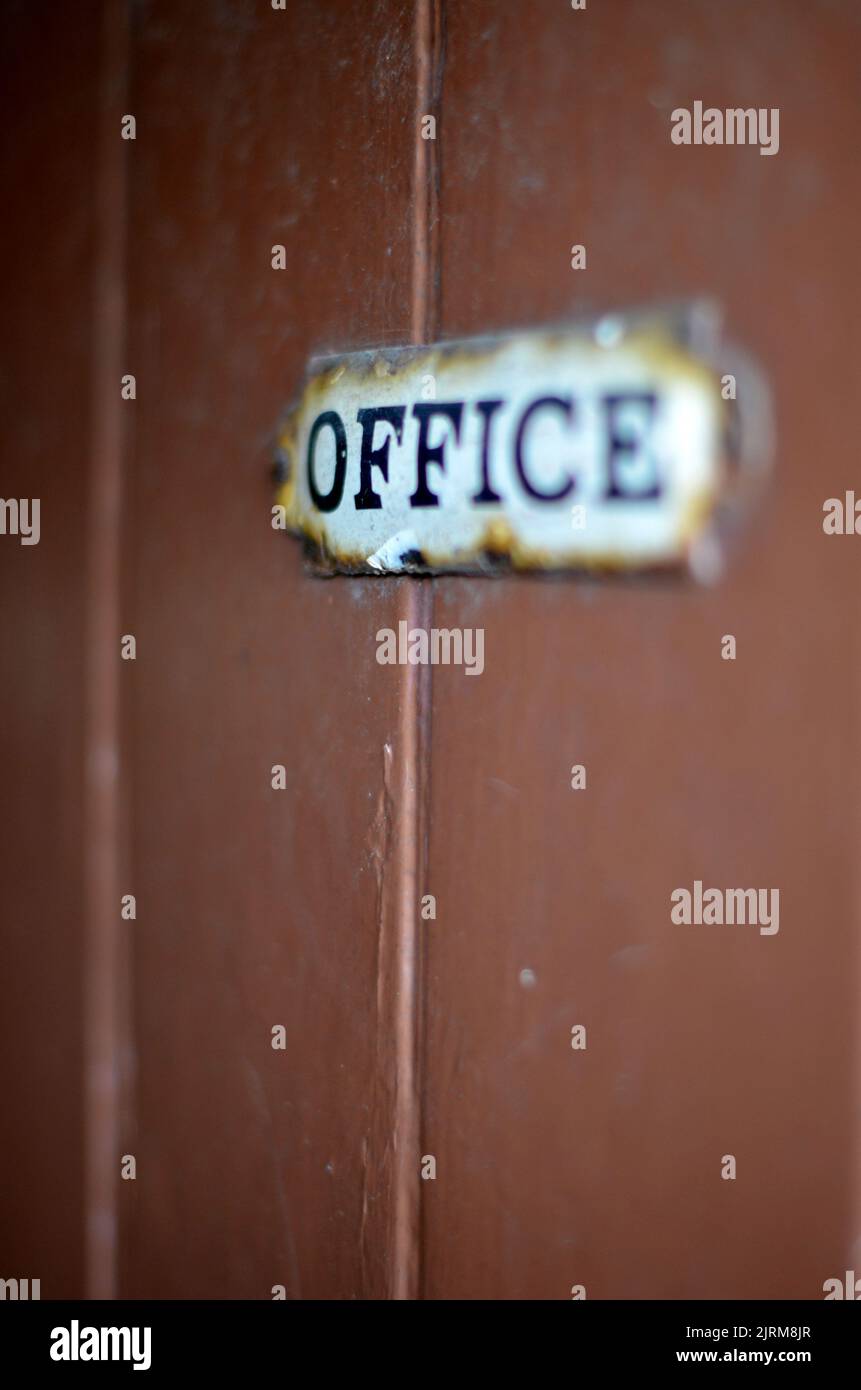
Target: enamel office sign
617,444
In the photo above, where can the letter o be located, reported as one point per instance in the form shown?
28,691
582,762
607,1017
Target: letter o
328,501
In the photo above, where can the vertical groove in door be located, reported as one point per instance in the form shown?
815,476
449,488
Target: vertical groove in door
414,731
429,60
101,766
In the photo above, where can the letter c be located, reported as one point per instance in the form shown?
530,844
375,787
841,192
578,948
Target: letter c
566,405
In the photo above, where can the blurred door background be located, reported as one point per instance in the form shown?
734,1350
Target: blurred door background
256,907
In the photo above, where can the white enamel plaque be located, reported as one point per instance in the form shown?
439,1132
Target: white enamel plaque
599,446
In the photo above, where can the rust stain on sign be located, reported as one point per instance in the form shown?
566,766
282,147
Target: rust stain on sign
605,445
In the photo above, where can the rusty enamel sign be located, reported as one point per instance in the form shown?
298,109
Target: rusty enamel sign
611,444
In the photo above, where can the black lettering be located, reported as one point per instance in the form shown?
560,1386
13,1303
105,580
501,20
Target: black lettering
564,404
423,497
327,502
366,499
622,445
487,494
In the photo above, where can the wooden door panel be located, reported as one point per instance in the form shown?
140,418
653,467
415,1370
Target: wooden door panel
258,907
602,1167
47,252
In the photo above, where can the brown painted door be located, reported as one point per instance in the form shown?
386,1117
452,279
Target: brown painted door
299,908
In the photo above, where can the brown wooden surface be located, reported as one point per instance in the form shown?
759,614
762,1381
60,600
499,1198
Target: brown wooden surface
603,1167
49,97
258,907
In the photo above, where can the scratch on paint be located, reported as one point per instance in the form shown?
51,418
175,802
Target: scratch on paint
376,1152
